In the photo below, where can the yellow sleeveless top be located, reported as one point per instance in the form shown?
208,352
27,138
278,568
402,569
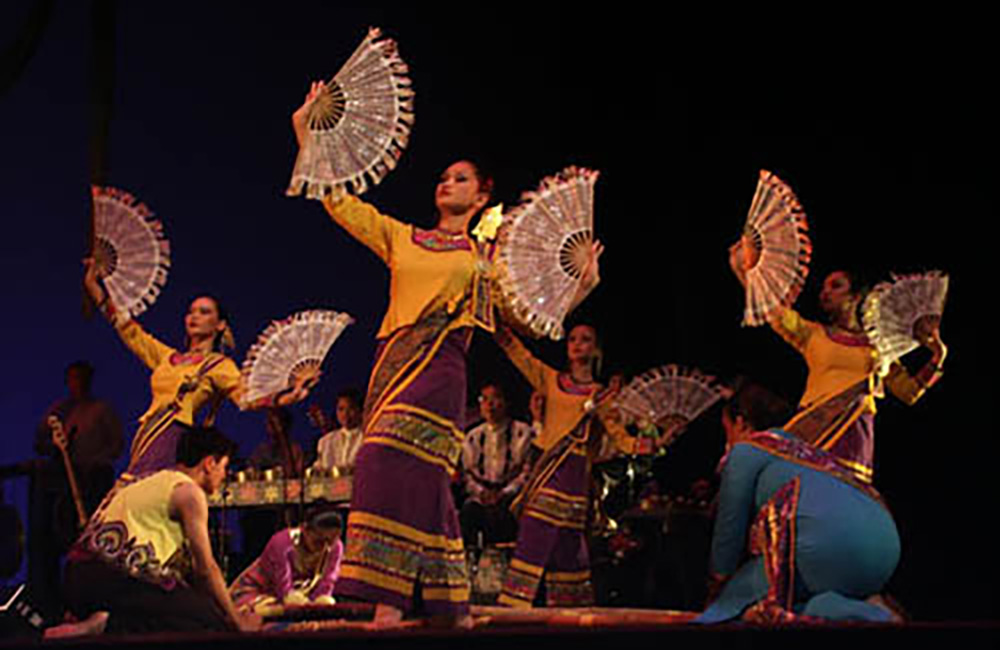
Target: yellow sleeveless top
133,531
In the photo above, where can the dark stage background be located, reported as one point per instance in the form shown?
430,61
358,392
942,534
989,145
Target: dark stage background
886,146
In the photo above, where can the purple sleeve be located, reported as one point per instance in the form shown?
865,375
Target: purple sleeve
276,563
330,572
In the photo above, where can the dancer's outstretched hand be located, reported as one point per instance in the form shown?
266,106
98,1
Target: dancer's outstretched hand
91,280
299,116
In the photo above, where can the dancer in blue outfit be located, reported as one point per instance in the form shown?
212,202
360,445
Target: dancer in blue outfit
797,537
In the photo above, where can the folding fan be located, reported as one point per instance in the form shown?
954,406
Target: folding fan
130,251
892,309
359,125
669,397
289,349
776,249
544,245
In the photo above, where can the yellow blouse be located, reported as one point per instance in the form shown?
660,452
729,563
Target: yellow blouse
564,410
423,278
835,367
222,380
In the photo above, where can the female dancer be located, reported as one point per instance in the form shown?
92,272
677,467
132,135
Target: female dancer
182,383
821,541
298,566
836,412
403,536
552,508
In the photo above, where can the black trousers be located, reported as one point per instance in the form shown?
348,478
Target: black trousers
496,523
135,606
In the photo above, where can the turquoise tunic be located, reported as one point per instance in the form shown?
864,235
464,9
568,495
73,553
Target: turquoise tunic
846,546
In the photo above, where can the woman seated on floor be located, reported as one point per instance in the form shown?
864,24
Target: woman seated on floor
797,537
298,566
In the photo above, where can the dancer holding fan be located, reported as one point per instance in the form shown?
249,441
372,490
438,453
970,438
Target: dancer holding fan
403,534
846,373
552,508
123,277
548,264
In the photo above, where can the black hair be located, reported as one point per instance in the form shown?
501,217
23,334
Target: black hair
495,385
761,408
217,341
483,176
860,286
598,343
197,443
84,368
324,517
352,394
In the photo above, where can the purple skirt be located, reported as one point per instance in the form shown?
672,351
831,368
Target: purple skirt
159,453
404,543
551,540
843,426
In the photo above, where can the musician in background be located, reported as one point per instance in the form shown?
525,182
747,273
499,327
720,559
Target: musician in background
338,448
493,462
96,440
279,450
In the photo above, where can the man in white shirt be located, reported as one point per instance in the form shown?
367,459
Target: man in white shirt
494,467
339,447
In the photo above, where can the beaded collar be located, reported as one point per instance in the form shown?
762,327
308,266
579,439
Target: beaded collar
439,240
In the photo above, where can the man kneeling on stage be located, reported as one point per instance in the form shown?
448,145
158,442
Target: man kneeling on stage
145,555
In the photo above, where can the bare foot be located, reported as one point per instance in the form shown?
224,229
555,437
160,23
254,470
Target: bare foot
386,617
879,601
93,625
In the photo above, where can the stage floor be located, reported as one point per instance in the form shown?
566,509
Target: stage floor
346,626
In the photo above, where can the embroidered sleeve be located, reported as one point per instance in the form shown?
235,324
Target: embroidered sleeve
611,419
903,385
365,223
532,369
225,378
792,327
145,346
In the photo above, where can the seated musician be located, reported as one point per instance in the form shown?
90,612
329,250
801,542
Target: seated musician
282,454
339,447
494,465
279,450
145,555
298,566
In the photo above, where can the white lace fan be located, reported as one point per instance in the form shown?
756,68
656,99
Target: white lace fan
544,244
669,397
359,125
130,250
893,308
776,249
288,349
